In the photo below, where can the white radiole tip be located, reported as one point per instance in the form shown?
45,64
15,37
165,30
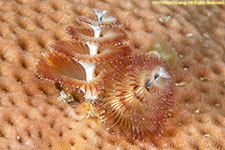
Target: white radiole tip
163,74
100,13
88,95
97,30
93,48
89,69
90,75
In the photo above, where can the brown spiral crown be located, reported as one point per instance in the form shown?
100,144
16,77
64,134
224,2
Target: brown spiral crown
137,95
78,62
138,87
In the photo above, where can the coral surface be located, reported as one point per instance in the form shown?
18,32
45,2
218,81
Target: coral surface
31,117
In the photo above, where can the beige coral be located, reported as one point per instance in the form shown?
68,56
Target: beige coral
32,118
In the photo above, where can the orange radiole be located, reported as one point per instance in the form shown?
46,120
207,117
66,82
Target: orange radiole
132,91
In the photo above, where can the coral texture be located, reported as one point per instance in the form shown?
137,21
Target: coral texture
31,117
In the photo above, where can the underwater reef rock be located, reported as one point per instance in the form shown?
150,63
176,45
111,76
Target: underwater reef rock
31,117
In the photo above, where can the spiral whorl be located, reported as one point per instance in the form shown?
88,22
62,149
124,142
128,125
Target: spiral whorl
99,40
133,91
137,95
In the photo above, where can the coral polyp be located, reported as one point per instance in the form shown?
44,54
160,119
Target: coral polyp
137,96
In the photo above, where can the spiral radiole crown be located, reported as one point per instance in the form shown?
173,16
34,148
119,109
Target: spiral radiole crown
137,95
131,91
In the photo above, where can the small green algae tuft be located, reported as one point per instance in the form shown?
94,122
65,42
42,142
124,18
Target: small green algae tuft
162,47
